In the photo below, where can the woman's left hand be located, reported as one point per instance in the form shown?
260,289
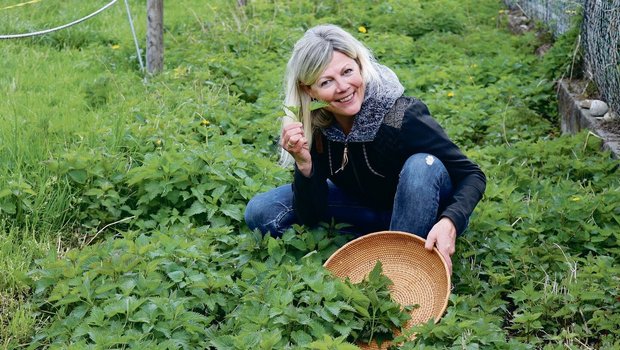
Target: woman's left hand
443,235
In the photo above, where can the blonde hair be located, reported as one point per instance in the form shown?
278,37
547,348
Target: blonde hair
311,55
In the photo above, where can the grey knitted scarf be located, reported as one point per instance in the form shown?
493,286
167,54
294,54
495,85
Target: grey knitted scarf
379,97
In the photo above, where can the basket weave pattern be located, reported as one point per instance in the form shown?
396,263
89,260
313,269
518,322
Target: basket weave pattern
420,276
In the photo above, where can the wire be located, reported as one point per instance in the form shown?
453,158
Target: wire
19,5
24,35
135,38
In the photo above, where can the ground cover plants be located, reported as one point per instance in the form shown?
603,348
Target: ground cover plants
121,200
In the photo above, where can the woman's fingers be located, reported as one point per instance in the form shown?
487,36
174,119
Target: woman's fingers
291,136
293,128
443,236
296,144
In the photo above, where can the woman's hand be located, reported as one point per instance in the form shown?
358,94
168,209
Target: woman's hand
443,235
294,142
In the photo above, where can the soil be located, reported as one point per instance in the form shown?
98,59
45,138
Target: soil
611,126
583,89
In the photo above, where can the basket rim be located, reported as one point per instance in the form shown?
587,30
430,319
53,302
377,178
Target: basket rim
407,235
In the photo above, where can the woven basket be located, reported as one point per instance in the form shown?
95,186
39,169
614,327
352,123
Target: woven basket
420,276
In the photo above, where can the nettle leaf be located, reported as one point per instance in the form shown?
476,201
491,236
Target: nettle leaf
142,317
271,339
196,208
78,175
217,193
294,110
105,288
233,211
96,317
526,317
69,299
336,307
324,314
59,292
329,291
176,276
300,337
343,329
286,297
223,342
115,307
317,329
275,249
326,342
128,286
76,317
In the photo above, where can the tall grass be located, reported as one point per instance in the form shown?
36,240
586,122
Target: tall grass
77,116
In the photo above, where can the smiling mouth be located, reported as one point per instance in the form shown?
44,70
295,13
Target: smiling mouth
346,98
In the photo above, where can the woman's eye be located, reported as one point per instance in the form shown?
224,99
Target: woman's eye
324,83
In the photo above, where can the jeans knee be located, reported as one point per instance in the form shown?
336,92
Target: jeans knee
423,169
252,214
271,211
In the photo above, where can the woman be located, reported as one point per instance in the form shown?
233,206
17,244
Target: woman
370,157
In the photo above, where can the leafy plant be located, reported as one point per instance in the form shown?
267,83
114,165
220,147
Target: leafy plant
130,193
193,289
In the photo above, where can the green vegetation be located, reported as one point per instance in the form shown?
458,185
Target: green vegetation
121,200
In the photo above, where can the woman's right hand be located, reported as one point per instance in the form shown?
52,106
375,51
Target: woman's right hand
295,143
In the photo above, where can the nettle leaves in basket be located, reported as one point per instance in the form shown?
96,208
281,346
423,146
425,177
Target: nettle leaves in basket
384,315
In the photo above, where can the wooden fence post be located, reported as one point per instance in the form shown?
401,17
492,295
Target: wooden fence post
155,36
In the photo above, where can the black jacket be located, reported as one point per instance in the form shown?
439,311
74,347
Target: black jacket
373,167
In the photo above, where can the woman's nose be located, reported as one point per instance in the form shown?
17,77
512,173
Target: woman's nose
341,85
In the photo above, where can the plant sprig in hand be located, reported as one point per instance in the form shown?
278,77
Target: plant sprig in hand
294,110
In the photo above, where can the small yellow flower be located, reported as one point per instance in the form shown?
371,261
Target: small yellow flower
116,47
450,94
502,11
362,29
204,122
575,198
158,143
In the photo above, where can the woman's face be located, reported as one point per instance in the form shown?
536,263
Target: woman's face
340,85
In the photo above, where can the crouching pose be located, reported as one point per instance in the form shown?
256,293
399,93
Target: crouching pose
370,156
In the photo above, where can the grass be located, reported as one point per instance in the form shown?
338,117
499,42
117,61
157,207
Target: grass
92,151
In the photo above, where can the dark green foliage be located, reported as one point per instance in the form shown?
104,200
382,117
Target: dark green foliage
141,187
208,288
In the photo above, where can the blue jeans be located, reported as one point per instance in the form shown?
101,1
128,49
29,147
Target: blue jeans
423,188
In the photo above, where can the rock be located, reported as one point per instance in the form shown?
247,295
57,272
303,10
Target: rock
585,104
610,116
597,108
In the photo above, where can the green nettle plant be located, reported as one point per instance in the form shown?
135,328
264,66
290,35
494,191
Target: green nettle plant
167,290
122,199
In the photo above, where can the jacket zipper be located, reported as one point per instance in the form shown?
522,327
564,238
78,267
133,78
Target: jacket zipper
345,161
357,179
345,157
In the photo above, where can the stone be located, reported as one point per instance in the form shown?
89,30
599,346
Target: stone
596,108
575,118
611,115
